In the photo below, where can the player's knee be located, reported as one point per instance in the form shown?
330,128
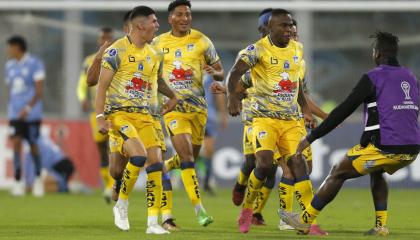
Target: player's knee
249,164
264,166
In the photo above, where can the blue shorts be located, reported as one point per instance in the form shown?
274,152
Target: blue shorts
211,128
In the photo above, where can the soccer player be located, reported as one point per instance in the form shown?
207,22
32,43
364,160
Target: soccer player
213,102
58,166
131,71
188,54
25,75
275,63
390,94
86,97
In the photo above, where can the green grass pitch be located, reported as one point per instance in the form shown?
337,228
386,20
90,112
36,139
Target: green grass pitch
60,216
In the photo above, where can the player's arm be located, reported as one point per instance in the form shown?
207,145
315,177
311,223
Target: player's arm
38,78
216,71
360,92
164,89
307,114
315,109
105,78
94,69
82,89
234,98
221,106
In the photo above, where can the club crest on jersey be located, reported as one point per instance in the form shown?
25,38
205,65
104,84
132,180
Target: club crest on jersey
112,52
148,59
286,65
141,67
124,129
295,59
262,135
190,47
173,124
178,53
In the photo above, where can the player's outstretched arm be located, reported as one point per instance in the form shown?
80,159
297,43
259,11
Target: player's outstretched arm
105,78
307,114
315,109
94,69
234,98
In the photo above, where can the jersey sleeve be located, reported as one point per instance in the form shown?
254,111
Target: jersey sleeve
82,87
210,54
111,59
39,71
249,55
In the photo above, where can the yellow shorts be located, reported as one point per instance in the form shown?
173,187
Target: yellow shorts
190,123
369,159
131,125
97,136
248,148
307,153
271,134
159,133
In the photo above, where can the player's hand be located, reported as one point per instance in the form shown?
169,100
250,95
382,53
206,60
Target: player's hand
85,106
217,88
103,125
102,49
310,121
169,105
303,144
234,105
210,70
24,113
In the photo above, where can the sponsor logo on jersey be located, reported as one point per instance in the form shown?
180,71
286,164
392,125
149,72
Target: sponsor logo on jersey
190,47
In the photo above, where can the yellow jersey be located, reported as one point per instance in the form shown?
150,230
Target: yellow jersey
136,72
275,74
183,62
84,92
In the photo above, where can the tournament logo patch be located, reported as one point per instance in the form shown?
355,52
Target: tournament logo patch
262,135
250,48
112,52
173,124
124,129
249,131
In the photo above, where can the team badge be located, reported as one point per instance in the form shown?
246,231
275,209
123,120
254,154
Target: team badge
262,135
141,67
295,59
112,52
148,59
173,124
178,53
124,129
190,47
286,64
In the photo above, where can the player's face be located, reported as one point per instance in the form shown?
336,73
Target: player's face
151,26
105,37
281,28
181,19
12,51
295,35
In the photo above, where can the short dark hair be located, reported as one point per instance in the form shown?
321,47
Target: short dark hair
141,11
177,3
279,11
267,10
386,43
18,41
106,30
127,16
294,22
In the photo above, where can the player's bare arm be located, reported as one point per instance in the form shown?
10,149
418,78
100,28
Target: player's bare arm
216,71
94,69
307,114
167,91
105,78
234,98
38,96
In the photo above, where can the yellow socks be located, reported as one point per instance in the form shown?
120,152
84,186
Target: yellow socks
286,189
254,186
167,197
189,178
309,214
261,199
381,217
242,179
154,188
131,173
